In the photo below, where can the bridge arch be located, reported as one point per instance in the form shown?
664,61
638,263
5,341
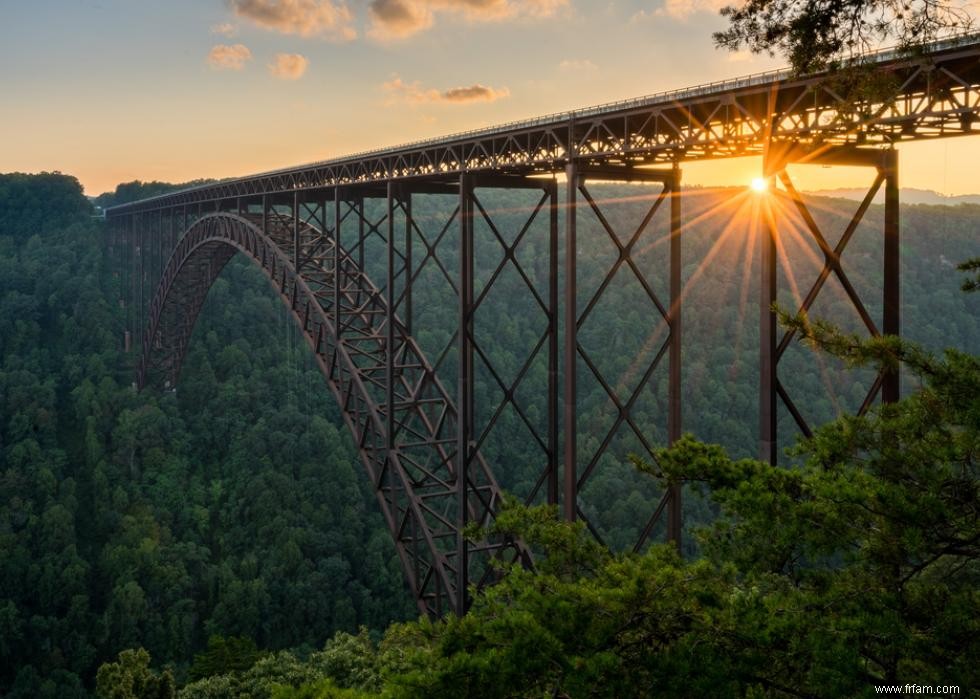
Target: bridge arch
400,415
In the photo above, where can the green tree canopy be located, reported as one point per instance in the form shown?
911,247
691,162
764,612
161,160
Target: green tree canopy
134,191
45,202
131,678
860,567
813,35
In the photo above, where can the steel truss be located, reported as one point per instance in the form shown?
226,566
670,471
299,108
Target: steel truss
402,418
321,233
473,347
772,391
933,95
419,440
670,312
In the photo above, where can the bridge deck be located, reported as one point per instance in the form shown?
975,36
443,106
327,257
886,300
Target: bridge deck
932,95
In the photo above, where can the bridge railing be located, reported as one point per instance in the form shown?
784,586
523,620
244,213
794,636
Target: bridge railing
659,98
653,99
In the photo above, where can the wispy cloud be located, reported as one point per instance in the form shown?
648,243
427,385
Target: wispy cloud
224,29
680,9
289,66
395,19
307,18
414,93
581,65
224,57
474,93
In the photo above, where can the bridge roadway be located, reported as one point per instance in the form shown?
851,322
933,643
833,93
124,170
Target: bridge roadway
310,229
930,97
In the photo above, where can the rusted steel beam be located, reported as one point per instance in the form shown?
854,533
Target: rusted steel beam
772,392
933,95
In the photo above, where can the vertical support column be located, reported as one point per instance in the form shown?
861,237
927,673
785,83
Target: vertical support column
767,336
674,417
553,419
360,233
571,343
296,231
149,264
140,251
407,313
134,227
323,215
160,246
125,253
465,388
147,229
136,280
389,292
126,293
336,262
131,272
390,325
171,236
178,312
265,215
891,320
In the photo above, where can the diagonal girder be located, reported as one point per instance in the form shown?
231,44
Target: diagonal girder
670,500
417,499
772,391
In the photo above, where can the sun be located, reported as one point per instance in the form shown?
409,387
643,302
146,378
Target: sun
759,184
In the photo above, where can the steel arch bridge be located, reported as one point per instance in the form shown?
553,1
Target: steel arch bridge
401,416
315,231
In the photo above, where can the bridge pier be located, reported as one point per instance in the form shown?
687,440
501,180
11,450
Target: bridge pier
772,346
577,178
465,389
476,427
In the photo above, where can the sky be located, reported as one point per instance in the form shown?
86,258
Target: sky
116,90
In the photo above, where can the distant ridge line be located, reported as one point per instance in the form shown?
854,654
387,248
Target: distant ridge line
907,195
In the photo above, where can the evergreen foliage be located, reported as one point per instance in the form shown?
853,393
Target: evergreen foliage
134,191
813,35
224,656
972,266
158,520
49,201
235,508
131,678
859,568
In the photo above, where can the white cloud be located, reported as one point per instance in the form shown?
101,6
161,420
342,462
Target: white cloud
680,9
307,18
289,66
578,66
224,57
395,19
414,93
224,29
474,93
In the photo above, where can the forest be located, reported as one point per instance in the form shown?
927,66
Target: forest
221,540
